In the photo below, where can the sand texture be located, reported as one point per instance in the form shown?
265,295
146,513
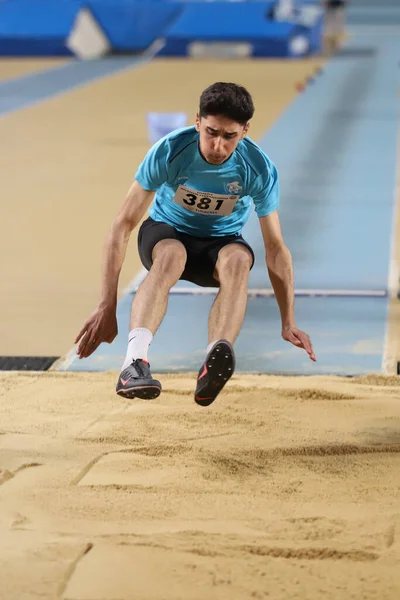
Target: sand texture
285,488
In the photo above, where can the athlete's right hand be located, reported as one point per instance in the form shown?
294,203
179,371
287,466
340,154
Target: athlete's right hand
100,327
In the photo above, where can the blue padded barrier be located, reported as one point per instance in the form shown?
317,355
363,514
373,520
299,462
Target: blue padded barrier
36,27
237,22
42,27
223,21
132,26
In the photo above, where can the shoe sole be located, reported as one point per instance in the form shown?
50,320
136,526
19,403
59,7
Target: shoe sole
144,393
220,367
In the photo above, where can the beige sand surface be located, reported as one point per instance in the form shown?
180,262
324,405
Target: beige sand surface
66,166
17,67
285,488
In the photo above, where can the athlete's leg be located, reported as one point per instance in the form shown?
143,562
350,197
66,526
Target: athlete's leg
340,23
150,302
148,310
329,34
226,318
229,308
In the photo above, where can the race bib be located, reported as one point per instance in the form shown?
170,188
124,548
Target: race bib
205,203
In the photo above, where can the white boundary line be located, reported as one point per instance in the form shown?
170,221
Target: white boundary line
266,293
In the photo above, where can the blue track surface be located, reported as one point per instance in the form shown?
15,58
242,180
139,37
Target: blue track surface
335,149
343,343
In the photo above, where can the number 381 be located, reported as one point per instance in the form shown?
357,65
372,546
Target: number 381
204,203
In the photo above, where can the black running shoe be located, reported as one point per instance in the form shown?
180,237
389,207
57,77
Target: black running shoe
215,372
136,381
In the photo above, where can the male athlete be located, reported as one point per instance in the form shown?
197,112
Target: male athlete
334,22
198,184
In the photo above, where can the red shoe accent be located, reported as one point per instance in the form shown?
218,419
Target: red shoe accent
204,372
125,381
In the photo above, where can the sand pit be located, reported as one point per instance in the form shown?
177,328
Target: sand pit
286,488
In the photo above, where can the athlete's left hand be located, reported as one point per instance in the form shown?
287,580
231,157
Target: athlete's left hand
300,339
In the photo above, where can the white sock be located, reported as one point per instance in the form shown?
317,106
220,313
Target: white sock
138,345
210,346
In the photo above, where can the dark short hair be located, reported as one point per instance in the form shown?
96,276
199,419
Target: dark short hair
227,99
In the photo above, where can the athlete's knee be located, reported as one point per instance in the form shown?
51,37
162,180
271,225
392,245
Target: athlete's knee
234,260
169,257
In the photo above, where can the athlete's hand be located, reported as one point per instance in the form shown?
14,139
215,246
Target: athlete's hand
100,327
300,339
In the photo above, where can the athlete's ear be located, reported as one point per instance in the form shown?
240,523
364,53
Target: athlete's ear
245,130
197,122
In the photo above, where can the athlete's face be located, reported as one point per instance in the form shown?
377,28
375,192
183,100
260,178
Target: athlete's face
219,137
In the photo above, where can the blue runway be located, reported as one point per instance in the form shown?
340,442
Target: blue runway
335,149
337,326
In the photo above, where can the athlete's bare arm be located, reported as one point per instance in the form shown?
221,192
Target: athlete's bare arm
102,325
280,270
136,203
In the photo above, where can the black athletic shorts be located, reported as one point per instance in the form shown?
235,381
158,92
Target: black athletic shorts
202,252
